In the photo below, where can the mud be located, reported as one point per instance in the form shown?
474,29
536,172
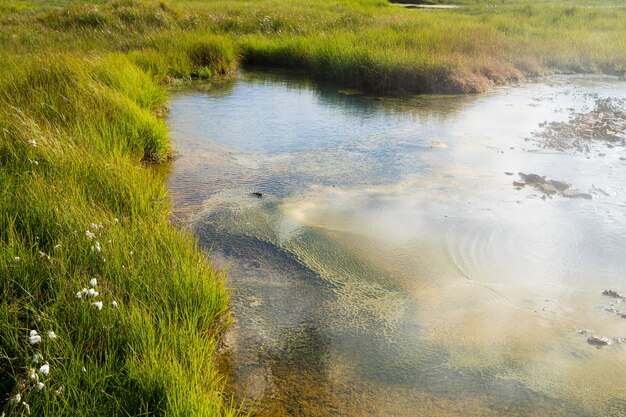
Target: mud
605,125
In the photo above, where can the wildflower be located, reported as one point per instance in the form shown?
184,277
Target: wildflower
79,295
57,246
96,247
27,407
51,335
39,386
84,369
116,220
33,374
45,369
114,304
60,390
17,398
37,357
93,292
33,143
34,338
93,282
17,259
32,161
89,234
98,305
96,226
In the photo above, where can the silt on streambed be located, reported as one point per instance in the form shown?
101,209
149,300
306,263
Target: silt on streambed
389,265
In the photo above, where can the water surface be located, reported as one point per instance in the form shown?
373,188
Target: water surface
390,267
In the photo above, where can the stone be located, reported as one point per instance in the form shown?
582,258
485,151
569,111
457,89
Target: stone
572,193
532,178
599,340
614,294
559,185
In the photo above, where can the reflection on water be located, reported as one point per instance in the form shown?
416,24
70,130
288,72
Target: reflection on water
391,268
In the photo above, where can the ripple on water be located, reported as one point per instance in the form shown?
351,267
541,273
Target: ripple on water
379,276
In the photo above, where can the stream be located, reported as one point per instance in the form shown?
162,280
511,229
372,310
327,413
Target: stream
408,256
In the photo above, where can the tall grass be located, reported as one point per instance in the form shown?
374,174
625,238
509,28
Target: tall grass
74,132
361,43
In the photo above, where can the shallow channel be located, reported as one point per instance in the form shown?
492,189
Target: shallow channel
389,266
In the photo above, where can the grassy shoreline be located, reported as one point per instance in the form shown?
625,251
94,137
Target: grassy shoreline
83,92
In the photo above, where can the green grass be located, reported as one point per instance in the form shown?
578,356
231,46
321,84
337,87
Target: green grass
76,134
83,88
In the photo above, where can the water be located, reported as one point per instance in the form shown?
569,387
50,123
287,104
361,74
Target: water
391,268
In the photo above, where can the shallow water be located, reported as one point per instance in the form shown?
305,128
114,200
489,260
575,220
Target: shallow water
391,268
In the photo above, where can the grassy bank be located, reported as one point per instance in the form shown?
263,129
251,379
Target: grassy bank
82,93
359,43
78,202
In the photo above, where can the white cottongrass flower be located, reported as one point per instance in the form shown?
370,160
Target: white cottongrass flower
114,304
51,335
93,282
37,357
96,247
17,398
84,369
32,142
39,386
79,295
93,292
33,374
45,369
95,226
32,161
116,220
60,390
27,407
57,246
98,305
90,234
17,259
34,338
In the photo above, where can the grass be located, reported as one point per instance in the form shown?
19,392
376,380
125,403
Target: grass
83,88
76,134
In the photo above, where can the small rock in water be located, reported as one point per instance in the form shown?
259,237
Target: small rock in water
584,331
599,341
532,178
620,340
548,189
508,173
257,194
571,193
519,183
614,294
435,144
559,185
